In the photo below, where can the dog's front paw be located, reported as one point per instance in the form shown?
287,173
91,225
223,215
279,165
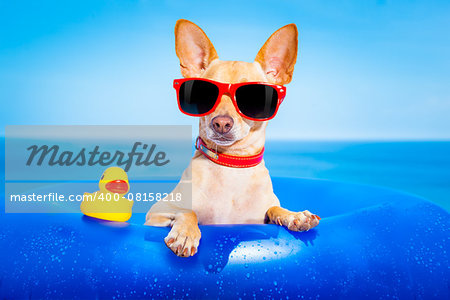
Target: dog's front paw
300,221
183,241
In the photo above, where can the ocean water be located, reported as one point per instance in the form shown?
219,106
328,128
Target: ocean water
420,168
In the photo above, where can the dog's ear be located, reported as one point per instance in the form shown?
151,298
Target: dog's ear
193,48
278,55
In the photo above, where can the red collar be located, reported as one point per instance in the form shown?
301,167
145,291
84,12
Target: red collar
228,160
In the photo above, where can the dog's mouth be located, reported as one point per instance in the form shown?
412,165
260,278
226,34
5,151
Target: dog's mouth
222,140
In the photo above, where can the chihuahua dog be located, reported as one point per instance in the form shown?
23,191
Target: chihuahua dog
227,177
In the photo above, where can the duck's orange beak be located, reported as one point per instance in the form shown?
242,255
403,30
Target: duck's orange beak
117,186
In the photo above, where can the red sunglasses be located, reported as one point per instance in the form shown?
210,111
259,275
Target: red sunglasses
257,101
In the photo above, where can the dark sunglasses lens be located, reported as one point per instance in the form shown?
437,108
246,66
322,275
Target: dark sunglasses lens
197,97
257,101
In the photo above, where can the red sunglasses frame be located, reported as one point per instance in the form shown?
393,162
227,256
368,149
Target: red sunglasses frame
230,89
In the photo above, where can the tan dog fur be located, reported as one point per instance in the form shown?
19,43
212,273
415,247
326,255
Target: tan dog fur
224,195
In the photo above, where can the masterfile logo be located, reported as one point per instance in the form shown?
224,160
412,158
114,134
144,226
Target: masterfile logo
54,156
48,168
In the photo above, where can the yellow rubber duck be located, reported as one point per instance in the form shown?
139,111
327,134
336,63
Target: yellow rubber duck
108,203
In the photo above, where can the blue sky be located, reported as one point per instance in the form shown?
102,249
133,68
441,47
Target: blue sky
366,69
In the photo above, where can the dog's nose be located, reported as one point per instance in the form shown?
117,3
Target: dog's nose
222,124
